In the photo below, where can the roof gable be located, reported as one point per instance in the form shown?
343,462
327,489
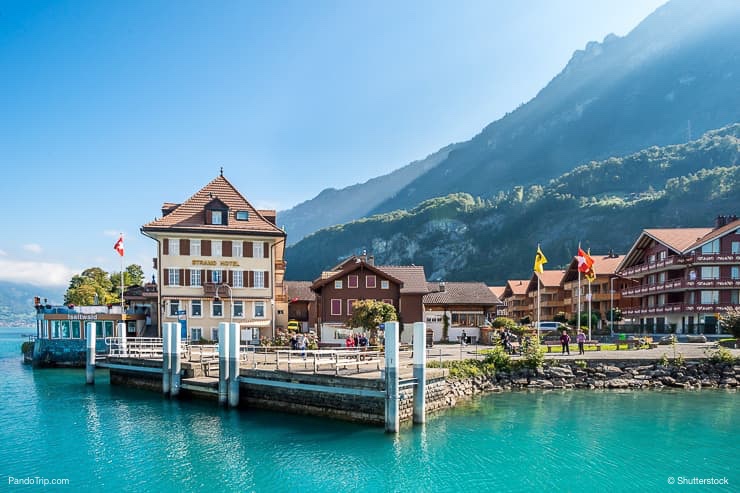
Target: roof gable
460,293
351,267
549,278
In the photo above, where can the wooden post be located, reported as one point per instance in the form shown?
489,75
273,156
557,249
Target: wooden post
223,363
166,364
392,421
90,361
420,371
234,344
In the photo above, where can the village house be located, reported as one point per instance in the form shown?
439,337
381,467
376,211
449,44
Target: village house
685,277
301,304
551,294
466,306
515,299
219,260
498,292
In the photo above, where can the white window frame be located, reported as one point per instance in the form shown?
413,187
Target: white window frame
259,279
238,278
709,297
174,246
350,308
258,250
216,248
385,284
331,306
194,331
367,281
195,248
214,334
234,304
353,277
236,249
195,278
214,303
217,276
173,276
338,284
217,217
735,247
254,309
710,247
192,308
710,272
735,272
174,307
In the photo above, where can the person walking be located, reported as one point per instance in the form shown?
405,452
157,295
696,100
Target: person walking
302,343
565,342
581,339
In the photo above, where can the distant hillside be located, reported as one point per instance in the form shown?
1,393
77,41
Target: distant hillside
604,205
334,206
16,302
674,76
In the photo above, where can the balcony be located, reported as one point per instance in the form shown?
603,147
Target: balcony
280,264
670,308
681,261
209,289
681,285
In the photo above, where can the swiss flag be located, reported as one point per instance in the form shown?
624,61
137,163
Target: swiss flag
585,262
119,246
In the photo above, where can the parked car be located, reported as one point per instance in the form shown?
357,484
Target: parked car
294,326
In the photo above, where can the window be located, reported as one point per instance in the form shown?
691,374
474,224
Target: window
709,297
390,302
216,276
350,306
662,255
384,284
216,248
195,278
338,284
651,300
217,308
735,297
108,328
353,281
242,215
711,247
238,278
651,259
196,334
174,245
65,329
238,309
195,248
174,277
196,309
661,278
174,308
259,309
217,217
336,307
370,282
76,329
735,247
661,299
692,298
259,279
711,272
735,272
214,334
236,249
258,250
651,279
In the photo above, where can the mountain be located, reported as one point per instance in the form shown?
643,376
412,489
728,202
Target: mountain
676,75
16,302
603,204
334,206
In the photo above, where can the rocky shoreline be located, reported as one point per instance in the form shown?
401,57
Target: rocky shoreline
598,375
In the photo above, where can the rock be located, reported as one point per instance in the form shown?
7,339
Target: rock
612,371
618,383
668,380
732,382
560,372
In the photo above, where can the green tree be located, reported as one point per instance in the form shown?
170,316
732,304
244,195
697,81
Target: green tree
503,323
91,285
132,276
730,321
369,314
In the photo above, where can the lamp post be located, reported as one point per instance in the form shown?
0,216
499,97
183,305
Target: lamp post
611,306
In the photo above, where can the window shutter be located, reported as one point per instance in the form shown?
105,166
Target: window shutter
205,248
248,250
244,248
226,248
267,279
165,246
186,281
182,277
229,277
166,276
203,278
266,250
184,247
251,279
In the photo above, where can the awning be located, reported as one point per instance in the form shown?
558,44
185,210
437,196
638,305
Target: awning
255,323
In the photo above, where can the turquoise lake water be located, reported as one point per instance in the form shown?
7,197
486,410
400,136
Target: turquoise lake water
53,426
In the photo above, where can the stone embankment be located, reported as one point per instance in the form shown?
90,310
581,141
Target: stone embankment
601,376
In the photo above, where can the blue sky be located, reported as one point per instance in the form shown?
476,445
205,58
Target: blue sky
108,109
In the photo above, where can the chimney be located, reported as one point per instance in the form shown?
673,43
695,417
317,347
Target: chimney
720,221
371,260
441,286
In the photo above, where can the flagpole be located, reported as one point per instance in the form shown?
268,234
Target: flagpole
538,306
589,310
578,317
123,321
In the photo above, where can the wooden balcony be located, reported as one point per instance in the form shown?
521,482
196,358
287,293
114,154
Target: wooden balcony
681,285
680,262
670,308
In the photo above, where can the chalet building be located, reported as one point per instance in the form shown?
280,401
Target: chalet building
686,277
498,292
302,303
358,278
467,306
516,300
219,260
552,294
605,289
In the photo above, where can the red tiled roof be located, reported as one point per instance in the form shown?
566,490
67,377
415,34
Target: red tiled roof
190,215
604,265
516,287
549,278
460,293
300,291
413,277
678,239
498,291
716,233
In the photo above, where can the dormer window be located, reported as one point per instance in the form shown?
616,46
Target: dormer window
216,212
242,215
217,217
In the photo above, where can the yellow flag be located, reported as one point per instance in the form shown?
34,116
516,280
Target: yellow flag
539,261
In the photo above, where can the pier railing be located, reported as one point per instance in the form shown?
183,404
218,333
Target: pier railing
134,347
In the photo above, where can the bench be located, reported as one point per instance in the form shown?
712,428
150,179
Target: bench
629,343
550,345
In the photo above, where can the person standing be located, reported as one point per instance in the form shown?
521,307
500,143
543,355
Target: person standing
565,342
302,343
463,338
581,339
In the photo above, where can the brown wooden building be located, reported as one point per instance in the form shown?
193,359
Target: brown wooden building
516,301
301,304
552,294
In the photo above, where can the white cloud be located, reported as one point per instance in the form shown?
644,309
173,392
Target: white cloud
3,253
33,248
38,273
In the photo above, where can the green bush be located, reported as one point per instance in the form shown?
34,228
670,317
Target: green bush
533,357
465,368
720,355
498,358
